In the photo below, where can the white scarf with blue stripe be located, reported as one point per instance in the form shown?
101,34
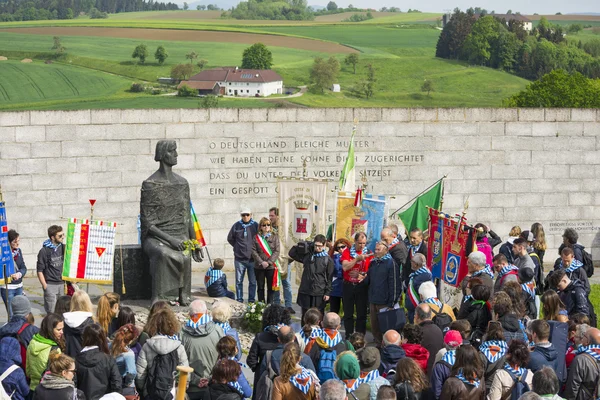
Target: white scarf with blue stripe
529,287
204,319
353,252
314,333
434,300
245,226
487,270
237,387
224,325
575,264
473,382
518,373
413,249
493,350
593,350
420,271
506,270
331,337
238,361
386,257
302,380
449,357
212,275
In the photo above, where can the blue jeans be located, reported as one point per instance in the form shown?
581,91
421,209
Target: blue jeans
11,293
240,269
287,289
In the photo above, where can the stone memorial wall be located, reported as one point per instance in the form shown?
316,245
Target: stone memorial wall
515,166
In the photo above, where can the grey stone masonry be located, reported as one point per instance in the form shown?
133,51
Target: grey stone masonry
516,166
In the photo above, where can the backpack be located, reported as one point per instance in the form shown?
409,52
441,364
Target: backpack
325,367
159,382
3,394
229,396
405,391
588,263
518,388
264,386
23,346
441,319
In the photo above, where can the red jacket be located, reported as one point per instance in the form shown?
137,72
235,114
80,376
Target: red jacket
417,353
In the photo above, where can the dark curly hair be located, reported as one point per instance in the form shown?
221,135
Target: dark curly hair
275,315
518,353
412,333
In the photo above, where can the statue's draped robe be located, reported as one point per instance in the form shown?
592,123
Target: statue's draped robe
166,205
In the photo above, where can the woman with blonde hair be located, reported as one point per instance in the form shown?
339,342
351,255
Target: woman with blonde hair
58,384
265,254
294,381
221,312
539,246
553,308
506,247
108,310
80,316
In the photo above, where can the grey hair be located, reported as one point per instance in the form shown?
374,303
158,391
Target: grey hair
530,396
331,321
419,259
582,330
161,148
221,312
387,232
477,257
197,307
427,290
333,389
545,382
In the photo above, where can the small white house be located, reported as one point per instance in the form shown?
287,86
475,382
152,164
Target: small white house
233,81
335,88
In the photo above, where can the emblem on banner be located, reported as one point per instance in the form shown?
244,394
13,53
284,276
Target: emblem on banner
452,265
437,246
302,226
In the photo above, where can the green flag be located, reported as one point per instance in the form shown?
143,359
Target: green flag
348,175
416,215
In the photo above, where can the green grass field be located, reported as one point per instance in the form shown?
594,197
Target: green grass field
595,297
22,83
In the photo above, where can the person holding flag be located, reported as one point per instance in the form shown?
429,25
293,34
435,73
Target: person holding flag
266,260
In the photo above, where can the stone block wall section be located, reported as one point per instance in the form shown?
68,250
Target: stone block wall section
516,166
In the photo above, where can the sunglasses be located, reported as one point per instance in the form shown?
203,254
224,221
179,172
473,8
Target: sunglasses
245,215
341,246
263,225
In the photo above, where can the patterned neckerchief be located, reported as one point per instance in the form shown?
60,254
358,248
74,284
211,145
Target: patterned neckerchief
245,226
273,328
172,337
238,361
266,235
204,319
505,270
529,287
353,252
212,275
331,337
434,300
449,357
394,243
368,377
518,373
224,325
321,254
413,249
493,350
237,387
15,253
302,380
48,243
575,264
472,382
351,384
314,333
593,350
467,298
487,270
420,271
387,256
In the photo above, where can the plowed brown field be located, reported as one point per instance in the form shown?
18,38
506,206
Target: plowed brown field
190,36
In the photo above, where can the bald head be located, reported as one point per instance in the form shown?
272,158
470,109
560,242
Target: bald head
392,337
331,321
285,335
422,313
594,335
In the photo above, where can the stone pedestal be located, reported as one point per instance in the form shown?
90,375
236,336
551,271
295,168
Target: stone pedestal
138,282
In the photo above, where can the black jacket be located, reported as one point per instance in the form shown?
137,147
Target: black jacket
317,274
432,341
242,245
97,374
42,393
542,356
478,315
263,342
512,328
218,389
73,331
50,263
384,282
575,299
407,270
400,253
19,267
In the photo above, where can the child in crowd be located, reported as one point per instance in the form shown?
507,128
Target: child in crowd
216,281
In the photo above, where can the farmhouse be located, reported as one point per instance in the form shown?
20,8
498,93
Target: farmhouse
234,81
527,24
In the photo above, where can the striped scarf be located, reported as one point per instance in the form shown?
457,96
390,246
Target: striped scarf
472,382
413,249
48,243
353,252
303,380
245,226
487,270
331,337
266,235
172,337
351,384
518,373
204,319
314,333
449,357
434,300
238,361
386,257
529,287
394,243
505,270
224,325
237,387
593,350
575,264
321,254
368,377
420,271
212,275
273,328
493,350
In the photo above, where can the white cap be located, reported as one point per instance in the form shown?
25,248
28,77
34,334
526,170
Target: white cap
245,210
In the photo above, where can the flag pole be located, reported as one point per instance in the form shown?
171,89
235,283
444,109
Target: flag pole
408,202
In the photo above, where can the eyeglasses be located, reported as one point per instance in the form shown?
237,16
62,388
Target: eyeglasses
341,246
245,215
72,370
60,235
263,225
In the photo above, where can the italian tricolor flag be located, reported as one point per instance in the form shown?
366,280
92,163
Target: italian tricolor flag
267,250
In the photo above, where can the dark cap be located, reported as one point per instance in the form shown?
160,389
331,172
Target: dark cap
525,274
528,236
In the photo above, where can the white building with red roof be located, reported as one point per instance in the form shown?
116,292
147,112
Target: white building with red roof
234,81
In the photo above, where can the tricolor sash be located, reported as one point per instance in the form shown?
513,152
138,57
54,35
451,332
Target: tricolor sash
264,245
413,296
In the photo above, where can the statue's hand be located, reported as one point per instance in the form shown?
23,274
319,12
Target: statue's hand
177,244
198,255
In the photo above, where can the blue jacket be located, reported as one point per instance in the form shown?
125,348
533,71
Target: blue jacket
13,326
440,373
390,355
242,244
542,356
305,361
338,277
218,288
384,282
10,354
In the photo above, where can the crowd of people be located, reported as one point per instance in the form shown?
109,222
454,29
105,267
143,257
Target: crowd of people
516,334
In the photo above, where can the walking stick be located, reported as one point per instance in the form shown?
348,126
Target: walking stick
183,377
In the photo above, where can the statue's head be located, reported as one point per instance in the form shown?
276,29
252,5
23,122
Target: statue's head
166,151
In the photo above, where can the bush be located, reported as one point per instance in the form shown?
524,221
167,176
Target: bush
186,91
253,317
209,102
97,14
359,17
136,87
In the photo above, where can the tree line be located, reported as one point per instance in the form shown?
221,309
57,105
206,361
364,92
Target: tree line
15,10
494,42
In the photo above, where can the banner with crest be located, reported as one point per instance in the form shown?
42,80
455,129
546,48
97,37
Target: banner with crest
6,257
302,209
368,217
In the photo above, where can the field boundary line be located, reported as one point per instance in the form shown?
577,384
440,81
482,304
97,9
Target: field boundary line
27,77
